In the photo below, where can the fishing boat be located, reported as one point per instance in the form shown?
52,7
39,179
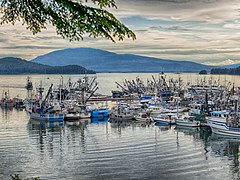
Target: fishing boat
44,110
145,99
52,113
51,117
74,111
225,129
99,113
173,109
71,115
226,124
84,114
199,115
17,102
220,116
121,113
166,119
188,121
122,116
29,85
143,116
155,110
6,101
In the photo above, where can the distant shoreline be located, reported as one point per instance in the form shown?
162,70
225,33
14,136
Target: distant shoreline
94,73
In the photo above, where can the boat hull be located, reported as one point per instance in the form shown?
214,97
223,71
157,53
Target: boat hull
47,117
164,121
187,123
148,119
72,117
99,113
224,130
85,115
121,117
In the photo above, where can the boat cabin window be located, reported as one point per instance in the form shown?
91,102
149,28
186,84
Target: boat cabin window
191,118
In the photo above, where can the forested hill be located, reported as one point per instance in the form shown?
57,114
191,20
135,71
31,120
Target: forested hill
105,61
10,65
231,71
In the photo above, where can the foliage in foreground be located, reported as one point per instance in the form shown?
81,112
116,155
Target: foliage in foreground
72,18
17,177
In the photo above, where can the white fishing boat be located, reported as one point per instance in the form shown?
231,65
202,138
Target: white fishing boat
219,116
143,116
224,129
71,115
121,115
188,121
225,124
75,113
166,119
83,114
155,110
174,109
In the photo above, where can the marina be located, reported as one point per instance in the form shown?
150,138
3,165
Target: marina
112,138
119,90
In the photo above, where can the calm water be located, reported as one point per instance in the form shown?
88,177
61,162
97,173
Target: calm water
102,150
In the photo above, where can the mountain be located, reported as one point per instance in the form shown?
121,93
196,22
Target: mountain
104,61
10,65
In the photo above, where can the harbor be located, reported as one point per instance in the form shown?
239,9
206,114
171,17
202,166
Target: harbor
118,90
117,145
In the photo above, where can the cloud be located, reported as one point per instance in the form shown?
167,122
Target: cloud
205,31
194,10
224,62
31,47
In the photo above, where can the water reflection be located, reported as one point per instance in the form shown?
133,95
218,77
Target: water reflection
75,133
99,120
80,136
163,127
191,131
228,150
120,124
5,112
88,148
43,125
44,134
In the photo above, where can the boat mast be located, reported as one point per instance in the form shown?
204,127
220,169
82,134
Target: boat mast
236,111
40,91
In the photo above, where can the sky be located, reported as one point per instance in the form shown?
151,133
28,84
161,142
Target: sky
203,31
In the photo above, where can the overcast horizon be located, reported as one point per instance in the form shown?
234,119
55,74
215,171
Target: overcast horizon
202,31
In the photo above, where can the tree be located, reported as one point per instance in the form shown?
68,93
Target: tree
203,72
72,18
